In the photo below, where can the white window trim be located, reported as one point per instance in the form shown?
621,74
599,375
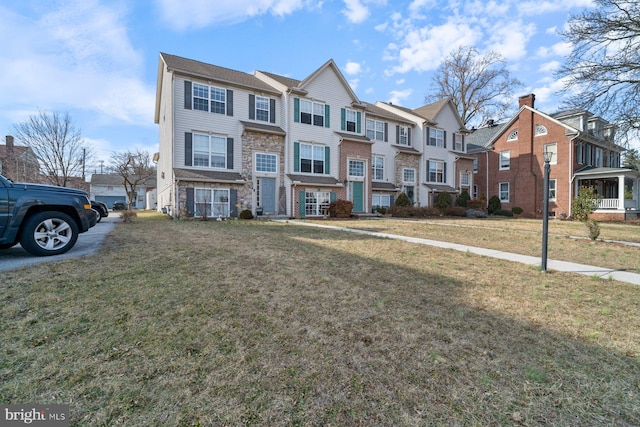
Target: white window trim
373,168
501,167
513,135
500,192
555,189
255,162
404,170
374,130
554,158
357,177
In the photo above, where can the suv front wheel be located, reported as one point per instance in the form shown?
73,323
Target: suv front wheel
49,233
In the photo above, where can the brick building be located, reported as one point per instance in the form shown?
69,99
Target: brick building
18,163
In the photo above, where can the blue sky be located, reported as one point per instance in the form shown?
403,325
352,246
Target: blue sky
97,59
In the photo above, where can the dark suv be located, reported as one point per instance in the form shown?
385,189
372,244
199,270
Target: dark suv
44,219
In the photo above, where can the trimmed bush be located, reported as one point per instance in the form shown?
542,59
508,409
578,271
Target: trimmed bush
456,211
517,210
477,204
463,199
402,200
246,214
494,205
340,209
593,228
128,215
503,212
443,201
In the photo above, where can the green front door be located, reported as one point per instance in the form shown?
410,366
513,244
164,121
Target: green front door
357,196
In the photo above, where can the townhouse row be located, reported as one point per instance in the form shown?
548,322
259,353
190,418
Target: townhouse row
278,146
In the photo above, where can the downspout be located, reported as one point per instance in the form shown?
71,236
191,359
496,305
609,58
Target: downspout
486,176
285,124
571,175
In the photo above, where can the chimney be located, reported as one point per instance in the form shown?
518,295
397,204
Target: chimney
490,123
527,100
9,141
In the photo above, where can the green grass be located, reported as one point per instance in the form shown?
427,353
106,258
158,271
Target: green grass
258,323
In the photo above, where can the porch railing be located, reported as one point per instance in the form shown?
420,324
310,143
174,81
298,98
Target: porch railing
615,203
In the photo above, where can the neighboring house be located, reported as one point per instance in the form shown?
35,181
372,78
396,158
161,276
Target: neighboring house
285,147
19,163
510,162
109,188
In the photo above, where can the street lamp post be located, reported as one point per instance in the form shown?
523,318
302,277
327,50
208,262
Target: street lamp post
545,210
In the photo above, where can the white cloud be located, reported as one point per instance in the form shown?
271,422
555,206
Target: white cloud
355,11
354,84
510,39
528,8
191,14
397,96
352,68
549,67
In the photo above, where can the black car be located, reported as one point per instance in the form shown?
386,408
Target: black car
120,206
101,208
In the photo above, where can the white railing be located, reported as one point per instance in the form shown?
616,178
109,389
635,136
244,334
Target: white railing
608,204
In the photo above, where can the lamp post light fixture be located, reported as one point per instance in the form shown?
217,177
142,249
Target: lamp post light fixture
545,210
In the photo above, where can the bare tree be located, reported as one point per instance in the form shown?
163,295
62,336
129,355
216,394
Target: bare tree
135,168
479,85
602,73
58,145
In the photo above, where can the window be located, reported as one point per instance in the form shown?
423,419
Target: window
465,179
403,136
457,142
505,159
475,164
541,130
312,158
436,137
377,168
552,190
200,97
262,108
380,200
436,171
316,203
351,118
356,168
513,136
375,130
266,162
504,191
553,149
598,157
408,175
209,151
209,98
475,191
210,202
312,112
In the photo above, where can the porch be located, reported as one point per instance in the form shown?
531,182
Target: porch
619,188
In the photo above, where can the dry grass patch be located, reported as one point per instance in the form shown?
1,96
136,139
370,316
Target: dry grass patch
257,323
522,237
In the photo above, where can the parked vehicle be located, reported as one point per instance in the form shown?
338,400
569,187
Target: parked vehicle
101,208
120,206
44,219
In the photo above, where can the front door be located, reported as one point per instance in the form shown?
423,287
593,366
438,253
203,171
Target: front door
357,195
267,194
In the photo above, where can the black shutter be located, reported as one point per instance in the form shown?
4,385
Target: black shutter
229,102
252,107
187,95
409,137
386,132
233,201
444,138
272,111
188,149
391,200
190,202
463,150
229,153
397,134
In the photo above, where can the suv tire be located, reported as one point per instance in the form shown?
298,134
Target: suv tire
49,233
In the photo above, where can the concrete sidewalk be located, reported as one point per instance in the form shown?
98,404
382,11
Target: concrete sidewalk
569,267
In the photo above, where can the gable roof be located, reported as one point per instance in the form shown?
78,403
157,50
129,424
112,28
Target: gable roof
480,137
430,111
18,150
376,111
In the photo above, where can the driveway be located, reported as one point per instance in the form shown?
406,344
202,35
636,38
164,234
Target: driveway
87,244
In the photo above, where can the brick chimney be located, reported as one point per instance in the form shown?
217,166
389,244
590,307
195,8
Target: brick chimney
9,141
527,100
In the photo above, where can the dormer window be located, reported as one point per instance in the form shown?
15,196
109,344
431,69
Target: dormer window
513,136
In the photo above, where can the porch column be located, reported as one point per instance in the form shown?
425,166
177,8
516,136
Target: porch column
621,192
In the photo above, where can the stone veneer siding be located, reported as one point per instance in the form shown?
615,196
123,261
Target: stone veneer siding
409,161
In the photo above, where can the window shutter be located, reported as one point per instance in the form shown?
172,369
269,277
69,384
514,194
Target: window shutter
386,132
272,111
333,196
229,153
327,159
296,157
358,122
229,102
326,116
190,202
444,138
397,134
409,137
233,201
428,174
252,107
428,141
463,144
188,149
301,198
296,110
392,200
444,172
343,119
187,95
